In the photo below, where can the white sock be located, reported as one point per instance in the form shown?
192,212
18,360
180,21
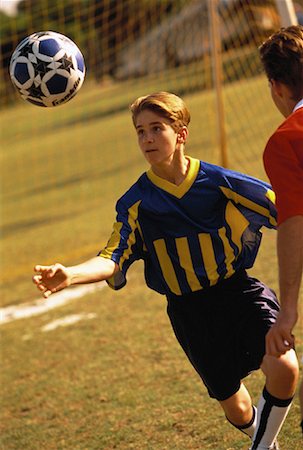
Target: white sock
271,414
250,427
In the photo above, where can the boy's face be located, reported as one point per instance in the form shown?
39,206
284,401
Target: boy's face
157,139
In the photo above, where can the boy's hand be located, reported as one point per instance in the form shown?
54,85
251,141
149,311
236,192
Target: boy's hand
50,279
279,338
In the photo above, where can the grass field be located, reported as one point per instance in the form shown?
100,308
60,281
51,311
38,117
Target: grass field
117,380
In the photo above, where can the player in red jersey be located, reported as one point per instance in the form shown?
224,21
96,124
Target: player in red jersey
282,58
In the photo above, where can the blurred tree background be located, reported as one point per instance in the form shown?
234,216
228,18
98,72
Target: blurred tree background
107,31
99,27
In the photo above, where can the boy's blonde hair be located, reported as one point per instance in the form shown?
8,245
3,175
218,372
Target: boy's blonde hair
167,105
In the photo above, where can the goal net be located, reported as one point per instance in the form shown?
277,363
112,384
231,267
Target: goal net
63,168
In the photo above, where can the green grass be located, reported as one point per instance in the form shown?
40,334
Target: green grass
119,381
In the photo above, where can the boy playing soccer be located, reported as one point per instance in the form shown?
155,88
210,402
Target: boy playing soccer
197,226
282,58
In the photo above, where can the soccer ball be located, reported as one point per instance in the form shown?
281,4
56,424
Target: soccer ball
47,68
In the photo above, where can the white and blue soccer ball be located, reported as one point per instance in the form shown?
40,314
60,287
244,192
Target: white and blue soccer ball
47,68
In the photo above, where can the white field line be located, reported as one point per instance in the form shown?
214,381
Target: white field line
67,320
40,306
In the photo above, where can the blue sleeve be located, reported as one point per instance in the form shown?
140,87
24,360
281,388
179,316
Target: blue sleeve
253,197
125,244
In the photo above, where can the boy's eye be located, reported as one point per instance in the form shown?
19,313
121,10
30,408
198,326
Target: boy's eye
140,132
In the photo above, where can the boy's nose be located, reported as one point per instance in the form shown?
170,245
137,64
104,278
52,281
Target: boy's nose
149,137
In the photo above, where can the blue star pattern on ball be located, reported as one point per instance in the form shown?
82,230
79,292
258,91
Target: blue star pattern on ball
40,67
47,68
66,62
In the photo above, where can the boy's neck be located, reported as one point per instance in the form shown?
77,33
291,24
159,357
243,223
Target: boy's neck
174,171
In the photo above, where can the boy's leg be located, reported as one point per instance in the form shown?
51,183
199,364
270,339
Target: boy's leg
240,412
281,380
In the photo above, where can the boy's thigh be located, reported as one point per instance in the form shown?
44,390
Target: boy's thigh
223,334
261,309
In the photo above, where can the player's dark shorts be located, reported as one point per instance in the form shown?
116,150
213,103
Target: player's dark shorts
222,330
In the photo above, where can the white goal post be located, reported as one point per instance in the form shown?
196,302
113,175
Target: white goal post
287,12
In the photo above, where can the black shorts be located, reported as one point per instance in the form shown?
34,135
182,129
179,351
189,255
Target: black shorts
222,330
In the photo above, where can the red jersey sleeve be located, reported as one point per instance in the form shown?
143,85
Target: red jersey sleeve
285,172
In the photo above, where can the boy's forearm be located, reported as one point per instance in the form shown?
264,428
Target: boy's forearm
290,257
92,270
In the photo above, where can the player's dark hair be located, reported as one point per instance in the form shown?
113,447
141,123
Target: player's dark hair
166,105
282,58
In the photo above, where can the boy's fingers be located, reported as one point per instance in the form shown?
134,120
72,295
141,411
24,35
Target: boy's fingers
47,271
47,293
43,279
51,270
39,268
36,279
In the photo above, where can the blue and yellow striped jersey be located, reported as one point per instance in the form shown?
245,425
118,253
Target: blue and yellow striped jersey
192,235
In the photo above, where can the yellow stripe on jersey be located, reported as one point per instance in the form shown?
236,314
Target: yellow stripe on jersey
141,234
166,265
237,198
132,221
271,196
113,241
209,259
229,252
237,222
187,264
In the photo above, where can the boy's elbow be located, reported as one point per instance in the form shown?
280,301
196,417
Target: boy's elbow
108,266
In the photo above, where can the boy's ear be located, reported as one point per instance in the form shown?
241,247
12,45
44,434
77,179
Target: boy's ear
279,88
276,86
182,134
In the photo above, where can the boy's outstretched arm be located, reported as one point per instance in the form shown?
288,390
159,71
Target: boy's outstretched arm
54,278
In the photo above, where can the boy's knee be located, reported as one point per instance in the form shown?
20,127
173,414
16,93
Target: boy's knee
282,372
289,366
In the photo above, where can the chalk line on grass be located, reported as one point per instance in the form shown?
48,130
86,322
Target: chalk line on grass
68,320
40,306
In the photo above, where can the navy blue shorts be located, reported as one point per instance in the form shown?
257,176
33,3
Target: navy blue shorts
222,330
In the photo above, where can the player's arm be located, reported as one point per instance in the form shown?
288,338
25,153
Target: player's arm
290,257
54,278
286,176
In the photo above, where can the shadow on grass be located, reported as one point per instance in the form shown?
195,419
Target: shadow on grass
18,226
75,179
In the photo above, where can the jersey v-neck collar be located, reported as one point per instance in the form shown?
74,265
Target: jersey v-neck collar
298,105
171,188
